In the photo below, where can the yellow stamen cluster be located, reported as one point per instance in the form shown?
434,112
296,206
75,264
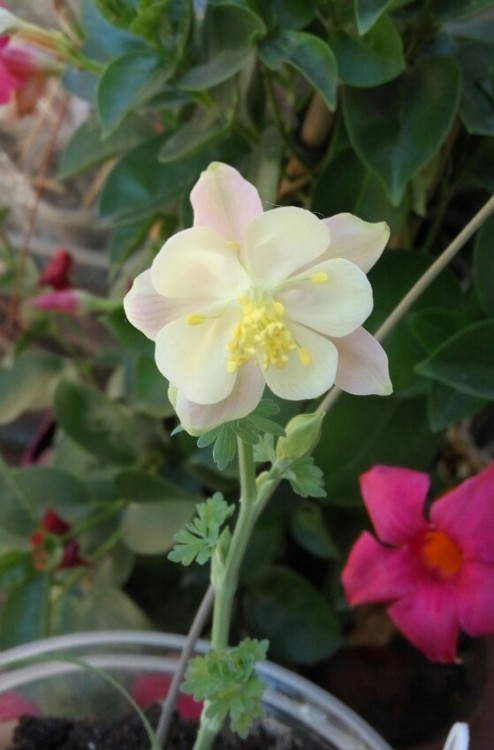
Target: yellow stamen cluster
261,330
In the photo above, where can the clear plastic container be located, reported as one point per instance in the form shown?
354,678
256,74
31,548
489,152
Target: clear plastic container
42,673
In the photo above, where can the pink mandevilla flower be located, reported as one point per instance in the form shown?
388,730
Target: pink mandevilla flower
435,571
248,298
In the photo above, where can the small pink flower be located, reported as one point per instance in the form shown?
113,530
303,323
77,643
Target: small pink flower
56,273
435,571
68,301
17,66
50,553
149,688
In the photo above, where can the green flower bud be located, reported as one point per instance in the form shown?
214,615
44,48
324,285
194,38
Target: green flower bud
302,436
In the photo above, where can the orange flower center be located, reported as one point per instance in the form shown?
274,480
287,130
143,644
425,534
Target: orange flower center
441,553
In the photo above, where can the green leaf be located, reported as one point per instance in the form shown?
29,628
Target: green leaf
151,389
15,567
127,238
397,128
87,148
101,426
139,185
16,515
477,105
370,60
141,487
204,127
127,83
306,479
483,266
296,618
446,405
367,12
446,10
308,54
47,487
230,32
228,681
287,14
24,613
310,530
391,278
369,430
103,41
149,528
248,429
28,383
465,361
200,538
359,192
431,327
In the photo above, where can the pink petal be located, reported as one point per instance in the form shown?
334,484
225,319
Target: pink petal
395,499
8,83
359,241
223,200
246,394
68,301
476,598
375,573
147,310
428,618
150,688
362,365
13,706
466,513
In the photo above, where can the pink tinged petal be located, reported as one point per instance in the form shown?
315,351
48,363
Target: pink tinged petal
395,498
223,200
375,573
245,396
359,241
428,618
68,301
304,381
198,264
194,357
466,514
476,598
147,310
362,365
335,306
280,242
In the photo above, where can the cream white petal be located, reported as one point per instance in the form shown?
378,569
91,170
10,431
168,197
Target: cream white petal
223,200
305,381
362,365
335,307
147,310
246,394
195,357
362,242
198,263
280,242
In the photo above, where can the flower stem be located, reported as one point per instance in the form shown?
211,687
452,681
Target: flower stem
225,573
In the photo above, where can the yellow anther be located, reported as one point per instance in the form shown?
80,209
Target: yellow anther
305,356
232,243
261,331
320,277
194,319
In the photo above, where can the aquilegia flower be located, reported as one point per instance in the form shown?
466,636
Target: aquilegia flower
436,571
247,298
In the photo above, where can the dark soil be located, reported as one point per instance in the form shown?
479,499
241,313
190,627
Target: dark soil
50,733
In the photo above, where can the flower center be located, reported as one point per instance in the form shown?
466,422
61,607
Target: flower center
441,553
262,331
